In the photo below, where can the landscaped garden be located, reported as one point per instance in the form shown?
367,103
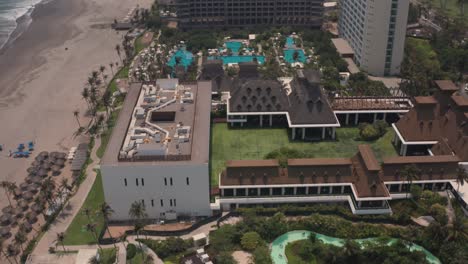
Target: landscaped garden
89,221
250,143
339,241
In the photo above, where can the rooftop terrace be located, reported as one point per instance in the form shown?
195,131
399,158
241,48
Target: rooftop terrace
164,122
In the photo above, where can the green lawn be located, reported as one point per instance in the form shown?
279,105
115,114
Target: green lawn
76,233
121,74
452,7
231,144
105,136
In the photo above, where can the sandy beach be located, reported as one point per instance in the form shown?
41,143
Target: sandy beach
44,71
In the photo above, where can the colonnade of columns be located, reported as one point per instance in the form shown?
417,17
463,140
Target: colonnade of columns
356,117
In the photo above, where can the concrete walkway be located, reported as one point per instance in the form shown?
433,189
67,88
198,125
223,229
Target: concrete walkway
67,215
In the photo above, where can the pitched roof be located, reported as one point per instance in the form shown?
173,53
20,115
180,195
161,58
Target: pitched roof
319,161
369,158
446,85
425,100
252,163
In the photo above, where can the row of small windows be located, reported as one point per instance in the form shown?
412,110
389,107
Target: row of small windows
141,181
172,202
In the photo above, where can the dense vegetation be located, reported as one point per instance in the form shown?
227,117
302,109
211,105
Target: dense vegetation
313,250
444,56
449,243
172,246
369,132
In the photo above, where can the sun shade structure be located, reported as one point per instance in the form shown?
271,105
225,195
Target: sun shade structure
23,204
7,209
6,219
28,196
5,231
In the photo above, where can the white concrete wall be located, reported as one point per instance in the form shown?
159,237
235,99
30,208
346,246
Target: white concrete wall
192,199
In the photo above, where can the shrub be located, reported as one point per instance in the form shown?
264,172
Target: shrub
170,246
439,213
131,251
250,241
261,255
372,131
224,258
416,192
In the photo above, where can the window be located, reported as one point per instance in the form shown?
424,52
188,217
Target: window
170,202
171,181
187,180
143,202
162,202
165,181
142,182
152,203
125,181
136,181
175,203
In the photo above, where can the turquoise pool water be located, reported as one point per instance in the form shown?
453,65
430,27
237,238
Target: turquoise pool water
278,246
234,46
289,55
186,58
289,42
237,58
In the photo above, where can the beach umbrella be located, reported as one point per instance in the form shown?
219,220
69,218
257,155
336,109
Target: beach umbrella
28,196
17,212
29,178
26,226
54,154
36,179
23,186
17,193
60,162
7,209
32,188
43,154
36,208
32,170
42,173
36,164
13,250
61,155
5,231
23,204
5,219
46,166
39,158
31,217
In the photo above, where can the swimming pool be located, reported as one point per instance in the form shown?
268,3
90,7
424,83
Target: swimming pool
289,55
186,58
289,42
237,58
279,244
234,46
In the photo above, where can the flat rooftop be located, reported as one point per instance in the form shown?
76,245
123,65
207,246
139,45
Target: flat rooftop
342,46
166,122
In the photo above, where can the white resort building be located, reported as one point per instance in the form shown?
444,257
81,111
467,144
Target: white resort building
159,151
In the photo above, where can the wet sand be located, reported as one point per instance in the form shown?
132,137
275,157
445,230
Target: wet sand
44,71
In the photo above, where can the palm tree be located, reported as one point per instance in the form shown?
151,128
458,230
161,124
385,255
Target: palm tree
48,189
76,113
6,185
118,49
12,252
148,259
20,238
85,95
409,173
61,239
87,212
295,55
90,227
138,212
102,68
462,176
3,252
123,239
111,65
94,260
64,185
106,212
458,228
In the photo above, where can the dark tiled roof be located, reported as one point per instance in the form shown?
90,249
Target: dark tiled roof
430,167
306,103
248,70
319,161
460,100
425,100
369,158
446,85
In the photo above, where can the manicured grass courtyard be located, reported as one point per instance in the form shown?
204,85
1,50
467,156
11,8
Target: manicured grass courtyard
232,144
76,233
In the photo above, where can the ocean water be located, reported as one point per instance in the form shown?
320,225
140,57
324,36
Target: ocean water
10,12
